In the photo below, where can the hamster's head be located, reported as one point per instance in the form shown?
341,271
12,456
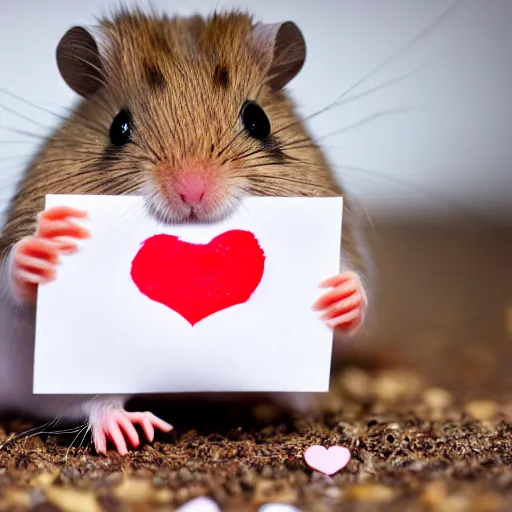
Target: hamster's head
189,112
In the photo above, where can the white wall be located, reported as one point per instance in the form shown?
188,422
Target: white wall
455,144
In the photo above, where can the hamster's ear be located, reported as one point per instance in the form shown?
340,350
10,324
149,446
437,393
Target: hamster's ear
79,62
284,49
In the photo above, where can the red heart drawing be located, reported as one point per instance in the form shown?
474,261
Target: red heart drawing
197,280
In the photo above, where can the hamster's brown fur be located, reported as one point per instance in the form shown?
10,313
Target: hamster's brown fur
184,81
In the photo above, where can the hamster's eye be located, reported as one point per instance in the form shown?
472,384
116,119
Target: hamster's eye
120,129
255,121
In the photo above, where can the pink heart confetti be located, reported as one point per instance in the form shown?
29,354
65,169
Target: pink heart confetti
327,461
201,504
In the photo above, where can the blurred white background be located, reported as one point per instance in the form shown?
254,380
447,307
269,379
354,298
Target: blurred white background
442,135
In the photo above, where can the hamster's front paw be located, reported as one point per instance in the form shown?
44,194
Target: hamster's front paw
345,304
118,425
35,258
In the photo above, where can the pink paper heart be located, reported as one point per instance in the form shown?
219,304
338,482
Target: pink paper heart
327,461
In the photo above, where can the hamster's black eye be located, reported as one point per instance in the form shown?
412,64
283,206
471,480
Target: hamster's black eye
120,129
255,121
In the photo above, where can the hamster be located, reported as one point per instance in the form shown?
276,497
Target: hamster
191,113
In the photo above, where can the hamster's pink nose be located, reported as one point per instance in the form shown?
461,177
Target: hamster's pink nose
191,188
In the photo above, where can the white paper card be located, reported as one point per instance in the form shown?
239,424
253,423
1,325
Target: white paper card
97,333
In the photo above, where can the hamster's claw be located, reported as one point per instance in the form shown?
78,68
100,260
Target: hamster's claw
344,305
35,257
118,425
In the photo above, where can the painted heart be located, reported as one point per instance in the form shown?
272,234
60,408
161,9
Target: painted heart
198,280
327,461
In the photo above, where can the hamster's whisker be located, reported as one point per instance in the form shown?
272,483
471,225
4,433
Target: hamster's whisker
243,156
416,39
372,117
366,120
260,151
303,146
383,85
428,194
22,116
237,151
291,144
29,103
438,198
54,432
221,138
85,428
89,429
91,176
256,166
456,4
25,132
85,122
64,142
294,159
48,111
289,180
67,161
79,161
63,431
224,149
10,440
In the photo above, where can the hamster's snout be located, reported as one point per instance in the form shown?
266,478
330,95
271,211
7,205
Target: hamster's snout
192,191
191,187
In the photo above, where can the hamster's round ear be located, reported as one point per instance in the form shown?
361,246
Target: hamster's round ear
284,47
79,62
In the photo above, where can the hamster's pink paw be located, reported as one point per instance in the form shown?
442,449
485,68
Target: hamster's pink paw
344,305
118,426
35,258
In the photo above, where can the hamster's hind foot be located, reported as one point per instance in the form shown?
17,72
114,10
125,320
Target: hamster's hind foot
118,426
344,305
35,258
